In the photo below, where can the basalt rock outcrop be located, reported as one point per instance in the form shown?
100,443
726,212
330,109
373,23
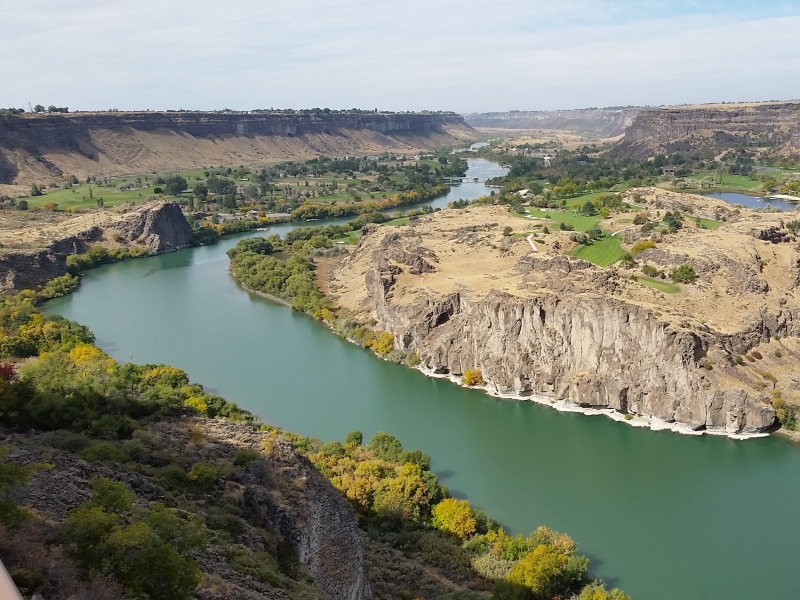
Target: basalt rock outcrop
550,324
157,226
680,129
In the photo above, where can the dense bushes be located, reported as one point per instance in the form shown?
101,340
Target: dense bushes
97,255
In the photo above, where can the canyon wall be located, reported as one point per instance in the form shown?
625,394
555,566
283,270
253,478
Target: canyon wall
156,226
34,148
591,349
775,125
604,122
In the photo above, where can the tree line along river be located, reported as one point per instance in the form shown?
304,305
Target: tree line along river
661,515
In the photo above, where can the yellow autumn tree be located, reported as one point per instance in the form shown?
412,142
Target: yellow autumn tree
473,377
537,570
454,516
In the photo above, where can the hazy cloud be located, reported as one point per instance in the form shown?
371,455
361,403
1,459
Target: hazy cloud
464,55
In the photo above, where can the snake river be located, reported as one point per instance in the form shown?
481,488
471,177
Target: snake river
661,515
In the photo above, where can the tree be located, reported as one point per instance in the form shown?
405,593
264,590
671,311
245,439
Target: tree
35,190
416,457
588,209
454,516
354,437
200,190
507,231
22,205
174,185
537,570
386,446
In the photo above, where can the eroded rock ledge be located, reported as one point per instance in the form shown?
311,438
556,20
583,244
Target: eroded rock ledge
157,226
549,324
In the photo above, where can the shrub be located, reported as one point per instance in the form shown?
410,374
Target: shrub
578,237
383,343
491,568
785,413
649,270
642,246
244,458
640,219
627,260
507,231
756,354
104,452
473,377
683,274
738,359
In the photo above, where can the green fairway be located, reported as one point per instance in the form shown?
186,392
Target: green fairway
78,196
578,221
742,182
661,286
602,252
709,223
398,222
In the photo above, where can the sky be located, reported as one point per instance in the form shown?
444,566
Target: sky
460,55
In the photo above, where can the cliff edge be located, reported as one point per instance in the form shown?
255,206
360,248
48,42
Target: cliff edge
43,148
36,251
452,288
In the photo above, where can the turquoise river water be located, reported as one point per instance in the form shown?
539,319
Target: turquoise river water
661,515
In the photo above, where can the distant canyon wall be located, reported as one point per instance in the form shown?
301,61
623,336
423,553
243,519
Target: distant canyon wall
601,122
668,130
37,147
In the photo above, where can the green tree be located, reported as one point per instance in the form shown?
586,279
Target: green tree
22,205
507,231
174,185
354,437
416,457
200,190
386,446
35,190
12,476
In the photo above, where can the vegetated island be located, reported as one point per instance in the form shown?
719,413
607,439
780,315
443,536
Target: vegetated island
659,309
126,481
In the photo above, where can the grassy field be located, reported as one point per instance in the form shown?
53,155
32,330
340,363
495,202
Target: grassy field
78,196
741,182
578,221
661,286
601,252
398,222
709,224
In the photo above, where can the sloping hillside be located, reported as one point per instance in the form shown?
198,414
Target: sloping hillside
42,148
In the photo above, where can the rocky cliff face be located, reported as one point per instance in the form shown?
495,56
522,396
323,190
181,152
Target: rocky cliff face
160,227
606,122
35,147
562,327
680,129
